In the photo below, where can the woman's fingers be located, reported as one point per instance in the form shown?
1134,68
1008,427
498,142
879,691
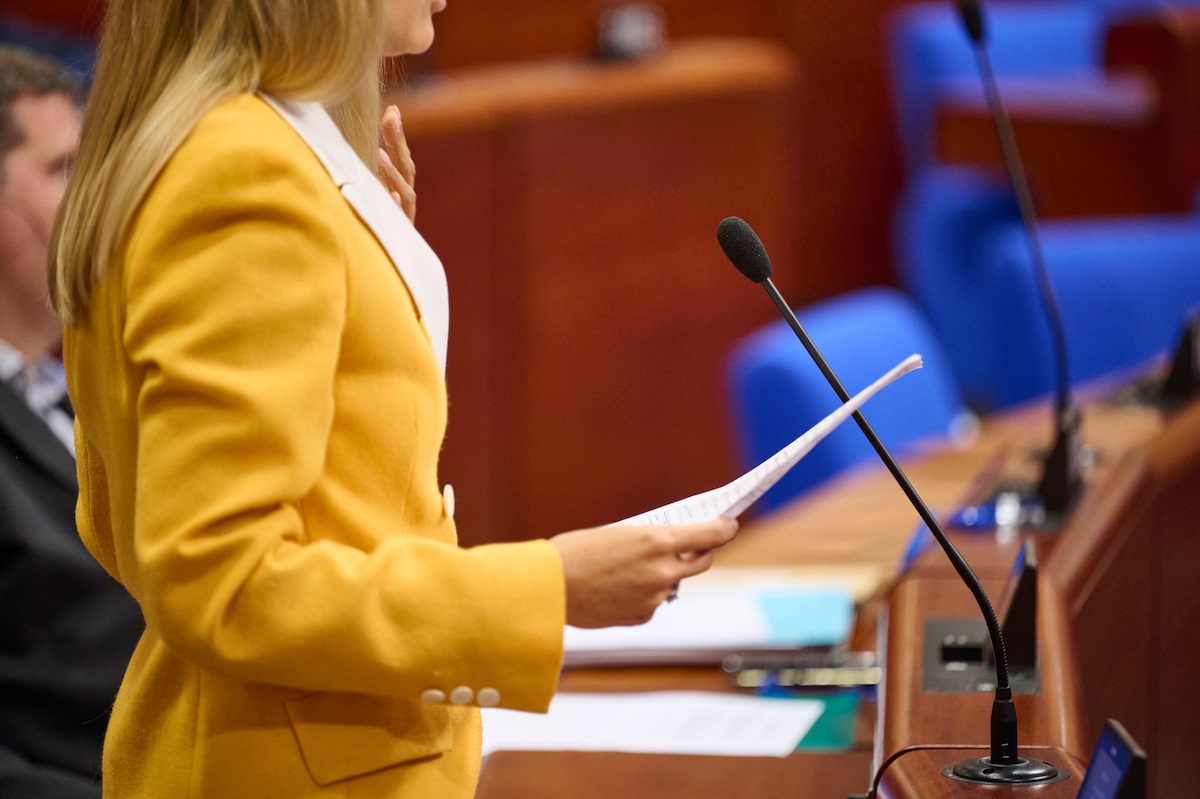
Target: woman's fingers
620,575
397,170
396,144
706,536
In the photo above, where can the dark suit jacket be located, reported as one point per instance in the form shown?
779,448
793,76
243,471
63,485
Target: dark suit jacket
67,629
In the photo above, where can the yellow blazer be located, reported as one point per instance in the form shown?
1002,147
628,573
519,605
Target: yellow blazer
259,413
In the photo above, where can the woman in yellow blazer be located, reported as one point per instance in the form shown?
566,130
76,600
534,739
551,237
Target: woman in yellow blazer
255,346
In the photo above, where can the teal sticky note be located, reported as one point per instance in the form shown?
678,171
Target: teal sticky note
807,616
834,730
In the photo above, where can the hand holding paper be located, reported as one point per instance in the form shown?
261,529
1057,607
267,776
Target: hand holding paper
730,500
620,577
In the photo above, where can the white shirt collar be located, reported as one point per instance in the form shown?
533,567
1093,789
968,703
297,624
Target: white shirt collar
11,361
412,257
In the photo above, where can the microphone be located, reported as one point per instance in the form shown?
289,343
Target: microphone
1183,380
1061,482
1004,765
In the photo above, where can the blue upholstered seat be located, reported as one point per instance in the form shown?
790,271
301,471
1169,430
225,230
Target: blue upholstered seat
777,392
928,52
1125,286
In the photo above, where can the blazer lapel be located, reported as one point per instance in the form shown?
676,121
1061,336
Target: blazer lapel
410,254
32,437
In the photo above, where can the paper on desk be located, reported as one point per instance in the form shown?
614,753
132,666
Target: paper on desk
666,722
730,500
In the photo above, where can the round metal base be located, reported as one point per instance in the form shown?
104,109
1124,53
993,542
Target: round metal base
982,770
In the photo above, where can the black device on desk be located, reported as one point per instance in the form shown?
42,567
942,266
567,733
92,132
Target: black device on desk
1061,482
1117,769
958,655
1183,380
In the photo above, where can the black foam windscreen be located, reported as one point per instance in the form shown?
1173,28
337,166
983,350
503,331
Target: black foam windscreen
972,17
744,249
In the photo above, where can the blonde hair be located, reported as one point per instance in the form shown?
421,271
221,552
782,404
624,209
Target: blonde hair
162,65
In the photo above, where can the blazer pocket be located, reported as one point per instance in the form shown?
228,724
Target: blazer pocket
344,735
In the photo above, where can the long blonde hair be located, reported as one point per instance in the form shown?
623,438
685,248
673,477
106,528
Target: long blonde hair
163,64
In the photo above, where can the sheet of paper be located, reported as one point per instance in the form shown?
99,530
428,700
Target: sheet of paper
669,722
730,500
717,615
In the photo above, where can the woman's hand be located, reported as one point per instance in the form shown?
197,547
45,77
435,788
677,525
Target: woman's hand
396,167
619,575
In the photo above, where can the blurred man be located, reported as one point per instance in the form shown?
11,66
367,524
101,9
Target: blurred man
67,629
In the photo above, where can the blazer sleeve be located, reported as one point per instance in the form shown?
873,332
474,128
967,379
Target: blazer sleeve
235,300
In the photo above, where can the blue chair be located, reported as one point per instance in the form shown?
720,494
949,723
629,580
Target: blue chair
776,392
928,53
1125,285
928,49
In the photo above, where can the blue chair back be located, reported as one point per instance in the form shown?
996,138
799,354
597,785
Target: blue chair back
777,392
928,51
1125,286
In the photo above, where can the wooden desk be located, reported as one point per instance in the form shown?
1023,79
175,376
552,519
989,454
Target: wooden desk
864,521
1117,626
591,775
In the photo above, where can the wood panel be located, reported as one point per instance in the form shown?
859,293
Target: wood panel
1126,573
848,151
593,775
912,717
1165,48
473,33
1084,155
459,192
1060,715
70,17
1116,625
844,136
601,301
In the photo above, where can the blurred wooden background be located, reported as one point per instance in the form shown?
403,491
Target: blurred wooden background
593,308
575,204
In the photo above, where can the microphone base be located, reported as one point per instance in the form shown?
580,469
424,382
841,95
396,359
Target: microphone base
1026,771
1062,478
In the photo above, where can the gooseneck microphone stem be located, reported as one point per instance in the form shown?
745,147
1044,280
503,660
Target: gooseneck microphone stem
1061,481
1020,184
1004,765
956,559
